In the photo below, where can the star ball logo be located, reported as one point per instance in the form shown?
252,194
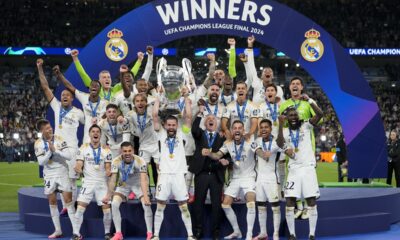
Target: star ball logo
312,48
116,48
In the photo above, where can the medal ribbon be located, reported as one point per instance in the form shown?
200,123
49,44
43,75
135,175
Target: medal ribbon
295,139
209,110
125,172
94,110
223,99
241,113
107,95
63,113
142,121
238,153
296,105
209,140
181,104
96,157
269,145
171,145
113,131
274,113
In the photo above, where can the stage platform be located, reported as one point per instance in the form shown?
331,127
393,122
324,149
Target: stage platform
341,211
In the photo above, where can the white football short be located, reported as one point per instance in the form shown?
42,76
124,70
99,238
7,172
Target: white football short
127,189
235,185
171,184
71,164
88,189
147,154
302,183
60,183
267,191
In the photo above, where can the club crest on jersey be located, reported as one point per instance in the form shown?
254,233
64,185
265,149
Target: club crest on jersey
312,48
116,48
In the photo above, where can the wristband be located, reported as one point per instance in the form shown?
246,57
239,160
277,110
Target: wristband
311,101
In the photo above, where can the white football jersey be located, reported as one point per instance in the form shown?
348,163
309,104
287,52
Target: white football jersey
176,161
266,113
245,165
250,111
305,156
56,164
114,135
147,137
92,171
267,170
125,104
225,100
88,109
133,170
69,125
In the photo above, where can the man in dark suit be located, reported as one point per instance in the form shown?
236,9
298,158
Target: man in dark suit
394,158
209,174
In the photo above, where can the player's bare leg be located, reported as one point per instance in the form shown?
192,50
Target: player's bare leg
148,218
231,216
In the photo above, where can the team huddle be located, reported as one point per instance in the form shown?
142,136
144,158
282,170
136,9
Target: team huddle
265,143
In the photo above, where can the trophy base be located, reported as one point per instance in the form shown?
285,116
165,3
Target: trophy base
169,111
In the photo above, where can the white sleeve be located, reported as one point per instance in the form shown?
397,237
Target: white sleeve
252,66
148,68
55,105
65,154
81,96
42,155
81,117
224,149
280,94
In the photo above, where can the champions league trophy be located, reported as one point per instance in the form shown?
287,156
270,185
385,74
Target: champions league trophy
172,79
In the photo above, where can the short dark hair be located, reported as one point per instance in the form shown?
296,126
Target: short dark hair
72,93
241,82
41,123
126,144
94,126
297,78
237,121
141,79
265,120
289,109
271,85
111,105
214,84
96,81
170,117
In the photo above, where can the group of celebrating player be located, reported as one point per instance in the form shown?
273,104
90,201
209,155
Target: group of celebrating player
220,125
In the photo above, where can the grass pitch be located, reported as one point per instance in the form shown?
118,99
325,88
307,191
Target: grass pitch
16,175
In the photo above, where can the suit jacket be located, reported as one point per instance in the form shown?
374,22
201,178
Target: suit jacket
196,166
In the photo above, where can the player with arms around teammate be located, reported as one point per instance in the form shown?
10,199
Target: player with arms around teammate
267,184
52,153
94,162
243,177
172,166
302,177
131,172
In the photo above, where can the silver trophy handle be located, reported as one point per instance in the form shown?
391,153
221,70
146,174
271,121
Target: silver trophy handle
187,68
160,67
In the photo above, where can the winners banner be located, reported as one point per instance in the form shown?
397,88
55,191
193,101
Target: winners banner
272,24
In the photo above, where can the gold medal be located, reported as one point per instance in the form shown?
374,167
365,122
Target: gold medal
123,184
237,163
275,123
296,149
60,126
210,150
97,166
171,155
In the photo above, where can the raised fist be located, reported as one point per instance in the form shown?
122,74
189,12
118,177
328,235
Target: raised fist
251,40
149,50
39,62
211,57
243,57
74,52
123,68
231,41
140,55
